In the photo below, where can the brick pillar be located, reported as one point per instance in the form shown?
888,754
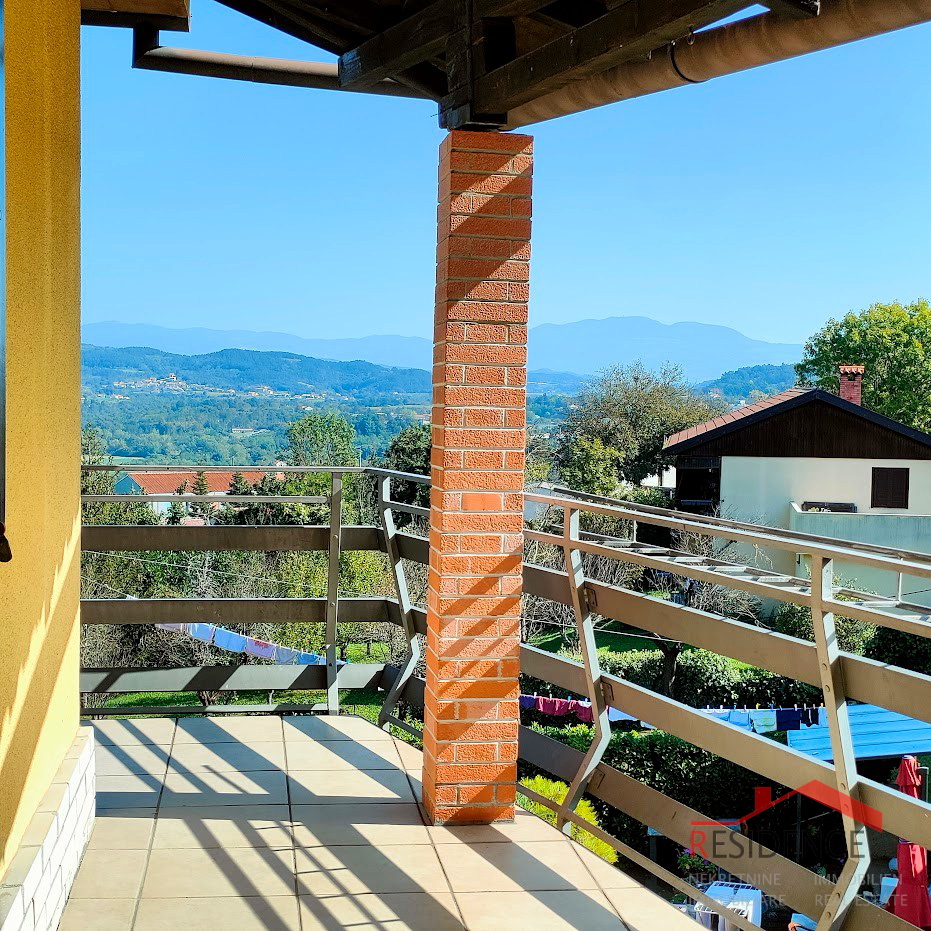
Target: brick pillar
476,511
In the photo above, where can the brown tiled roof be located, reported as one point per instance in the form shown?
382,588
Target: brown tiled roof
167,483
748,410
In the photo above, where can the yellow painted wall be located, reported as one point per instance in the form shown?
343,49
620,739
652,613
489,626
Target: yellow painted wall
39,589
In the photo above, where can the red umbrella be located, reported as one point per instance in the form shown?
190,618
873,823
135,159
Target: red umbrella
910,900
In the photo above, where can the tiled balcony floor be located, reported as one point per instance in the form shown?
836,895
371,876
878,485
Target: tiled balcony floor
313,823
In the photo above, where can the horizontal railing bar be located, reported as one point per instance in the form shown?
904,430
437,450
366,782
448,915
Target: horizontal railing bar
745,525
416,549
224,537
868,681
243,678
181,710
414,509
220,498
798,596
917,564
150,611
917,624
403,725
297,470
400,476
414,692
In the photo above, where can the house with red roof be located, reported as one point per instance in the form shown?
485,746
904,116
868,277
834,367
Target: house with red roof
169,481
813,462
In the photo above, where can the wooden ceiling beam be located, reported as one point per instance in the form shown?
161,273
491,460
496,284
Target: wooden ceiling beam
626,32
171,15
793,9
417,38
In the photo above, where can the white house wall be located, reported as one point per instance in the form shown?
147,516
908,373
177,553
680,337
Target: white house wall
763,490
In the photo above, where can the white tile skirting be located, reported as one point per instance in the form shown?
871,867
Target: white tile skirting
35,887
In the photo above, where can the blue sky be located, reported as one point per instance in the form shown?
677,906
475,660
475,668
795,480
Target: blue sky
767,201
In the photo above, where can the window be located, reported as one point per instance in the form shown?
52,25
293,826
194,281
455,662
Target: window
890,488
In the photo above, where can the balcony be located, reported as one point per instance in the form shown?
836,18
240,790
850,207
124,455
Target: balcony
312,822
284,782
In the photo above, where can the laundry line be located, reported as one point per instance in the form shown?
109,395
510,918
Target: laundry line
232,642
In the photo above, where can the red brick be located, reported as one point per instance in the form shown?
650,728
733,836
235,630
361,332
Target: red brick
479,432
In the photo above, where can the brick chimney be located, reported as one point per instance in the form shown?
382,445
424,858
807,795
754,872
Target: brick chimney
851,383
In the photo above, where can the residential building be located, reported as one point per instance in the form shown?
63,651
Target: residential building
168,482
815,463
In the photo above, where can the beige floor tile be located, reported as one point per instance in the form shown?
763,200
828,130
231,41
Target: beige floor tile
525,827
339,825
122,829
411,757
97,915
540,911
241,871
314,787
511,867
327,727
225,729
607,875
641,910
206,789
132,759
227,756
271,913
341,755
135,731
109,874
140,791
387,912
223,826
355,870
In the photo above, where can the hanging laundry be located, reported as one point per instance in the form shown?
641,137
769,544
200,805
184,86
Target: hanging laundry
229,641
822,717
763,720
739,718
176,628
261,649
788,719
284,656
583,711
809,717
527,702
557,707
202,632
309,659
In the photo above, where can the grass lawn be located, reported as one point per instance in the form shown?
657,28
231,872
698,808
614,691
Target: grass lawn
613,636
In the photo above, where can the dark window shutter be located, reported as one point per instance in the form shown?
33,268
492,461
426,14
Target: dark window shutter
890,488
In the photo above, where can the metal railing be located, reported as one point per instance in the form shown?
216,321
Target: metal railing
841,676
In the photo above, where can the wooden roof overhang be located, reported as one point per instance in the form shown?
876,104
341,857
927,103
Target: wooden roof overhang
493,64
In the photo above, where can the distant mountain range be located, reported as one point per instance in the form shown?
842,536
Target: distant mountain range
582,348
746,383
134,370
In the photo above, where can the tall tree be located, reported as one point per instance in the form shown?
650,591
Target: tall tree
893,341
409,452
322,439
631,411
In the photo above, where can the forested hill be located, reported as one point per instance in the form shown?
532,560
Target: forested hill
241,371
746,383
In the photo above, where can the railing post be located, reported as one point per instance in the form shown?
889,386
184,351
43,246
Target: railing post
585,625
845,764
390,532
332,603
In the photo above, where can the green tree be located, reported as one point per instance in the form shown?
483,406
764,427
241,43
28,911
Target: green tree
632,410
589,465
893,342
322,439
409,452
